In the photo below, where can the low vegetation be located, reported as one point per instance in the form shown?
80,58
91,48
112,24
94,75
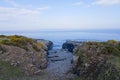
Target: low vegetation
98,61
40,44
20,55
7,71
19,41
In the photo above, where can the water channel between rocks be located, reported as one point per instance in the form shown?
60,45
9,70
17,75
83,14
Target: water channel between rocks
59,65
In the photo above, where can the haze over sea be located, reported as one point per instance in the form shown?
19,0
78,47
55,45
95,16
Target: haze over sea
59,37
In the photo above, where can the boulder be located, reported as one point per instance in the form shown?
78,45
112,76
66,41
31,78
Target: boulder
70,45
47,43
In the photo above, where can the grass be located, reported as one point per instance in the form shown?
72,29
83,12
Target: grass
111,49
115,60
8,71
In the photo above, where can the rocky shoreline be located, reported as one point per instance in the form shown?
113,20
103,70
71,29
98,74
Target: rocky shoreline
75,61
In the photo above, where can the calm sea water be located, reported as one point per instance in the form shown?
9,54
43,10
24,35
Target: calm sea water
59,37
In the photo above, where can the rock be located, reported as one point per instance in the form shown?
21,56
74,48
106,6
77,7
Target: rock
74,60
53,56
29,57
61,59
25,60
70,45
48,43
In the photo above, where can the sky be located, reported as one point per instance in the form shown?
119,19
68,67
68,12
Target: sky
59,14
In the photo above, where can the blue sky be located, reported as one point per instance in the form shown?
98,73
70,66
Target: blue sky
59,14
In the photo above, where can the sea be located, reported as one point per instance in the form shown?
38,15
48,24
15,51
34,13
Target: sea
60,37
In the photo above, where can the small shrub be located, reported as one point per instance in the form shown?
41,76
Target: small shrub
35,47
113,50
6,42
40,44
112,41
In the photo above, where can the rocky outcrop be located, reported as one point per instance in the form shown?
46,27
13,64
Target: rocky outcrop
97,61
70,45
47,43
24,53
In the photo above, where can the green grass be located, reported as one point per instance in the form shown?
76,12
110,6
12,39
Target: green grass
115,60
8,71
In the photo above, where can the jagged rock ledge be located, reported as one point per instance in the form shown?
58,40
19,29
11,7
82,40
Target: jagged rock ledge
48,43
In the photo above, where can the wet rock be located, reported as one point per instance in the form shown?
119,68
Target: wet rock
54,60
53,56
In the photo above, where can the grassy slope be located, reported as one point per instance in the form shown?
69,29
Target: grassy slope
7,71
109,49
19,41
